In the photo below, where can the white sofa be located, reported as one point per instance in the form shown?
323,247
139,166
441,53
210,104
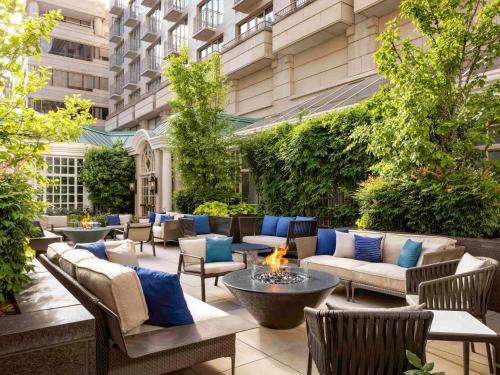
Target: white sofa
386,277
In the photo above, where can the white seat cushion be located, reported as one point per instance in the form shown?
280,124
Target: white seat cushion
123,254
118,287
56,249
341,267
201,310
216,267
382,275
158,231
271,241
412,299
69,259
120,237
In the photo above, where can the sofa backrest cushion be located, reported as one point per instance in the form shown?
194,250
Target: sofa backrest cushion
201,223
118,287
219,249
164,297
97,248
282,226
344,245
152,217
193,246
327,240
410,253
123,254
71,258
469,263
393,244
57,221
113,219
125,219
368,249
269,225
56,249
164,218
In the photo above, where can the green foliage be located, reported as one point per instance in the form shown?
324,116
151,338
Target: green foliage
242,209
200,135
215,208
187,200
25,135
302,169
106,173
437,107
420,369
465,203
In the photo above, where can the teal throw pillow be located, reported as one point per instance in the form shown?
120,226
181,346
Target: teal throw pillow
219,250
410,252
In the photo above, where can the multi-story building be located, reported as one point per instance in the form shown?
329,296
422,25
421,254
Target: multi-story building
77,55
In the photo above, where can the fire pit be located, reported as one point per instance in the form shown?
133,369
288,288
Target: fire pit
276,294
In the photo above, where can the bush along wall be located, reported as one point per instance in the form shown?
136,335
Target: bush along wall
311,168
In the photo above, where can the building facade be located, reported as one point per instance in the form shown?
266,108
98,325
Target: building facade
77,55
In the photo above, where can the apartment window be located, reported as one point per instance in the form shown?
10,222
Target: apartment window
119,105
68,49
179,36
212,12
99,112
117,25
210,48
65,189
62,78
101,53
153,85
154,123
154,18
135,71
266,15
44,106
135,38
76,21
120,54
134,96
120,80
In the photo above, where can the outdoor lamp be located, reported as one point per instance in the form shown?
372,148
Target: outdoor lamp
153,184
132,185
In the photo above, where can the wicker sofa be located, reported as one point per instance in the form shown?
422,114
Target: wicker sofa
251,229
220,226
151,349
386,277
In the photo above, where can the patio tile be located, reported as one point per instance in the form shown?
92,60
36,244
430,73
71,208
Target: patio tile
273,341
266,366
295,358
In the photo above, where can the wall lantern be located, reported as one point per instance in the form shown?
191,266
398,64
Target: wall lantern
153,184
132,185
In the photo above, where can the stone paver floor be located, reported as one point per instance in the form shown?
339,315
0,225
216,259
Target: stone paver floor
265,351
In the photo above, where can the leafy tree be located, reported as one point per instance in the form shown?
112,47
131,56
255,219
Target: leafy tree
24,136
437,106
106,173
200,135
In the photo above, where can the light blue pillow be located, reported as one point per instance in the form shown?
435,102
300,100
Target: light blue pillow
282,227
201,223
368,249
219,250
269,225
410,252
97,248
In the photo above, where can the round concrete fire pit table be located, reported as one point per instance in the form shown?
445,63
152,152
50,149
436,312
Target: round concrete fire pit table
280,306
84,235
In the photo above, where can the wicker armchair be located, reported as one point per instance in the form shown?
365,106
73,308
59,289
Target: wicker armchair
440,289
367,342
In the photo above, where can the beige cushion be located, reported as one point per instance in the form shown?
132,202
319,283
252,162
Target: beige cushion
201,310
123,254
56,249
69,260
271,241
416,307
412,299
393,244
345,245
468,263
57,221
341,267
143,328
216,267
118,287
120,237
382,275
116,243
125,219
193,246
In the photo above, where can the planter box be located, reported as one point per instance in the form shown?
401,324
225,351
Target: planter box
52,334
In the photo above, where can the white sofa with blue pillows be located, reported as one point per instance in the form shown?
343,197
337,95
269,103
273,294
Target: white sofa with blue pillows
386,276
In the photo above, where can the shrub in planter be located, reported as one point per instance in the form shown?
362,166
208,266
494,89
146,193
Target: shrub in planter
242,209
212,209
186,200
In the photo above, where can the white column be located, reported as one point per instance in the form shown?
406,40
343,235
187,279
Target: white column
166,183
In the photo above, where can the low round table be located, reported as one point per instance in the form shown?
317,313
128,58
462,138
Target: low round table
82,235
280,306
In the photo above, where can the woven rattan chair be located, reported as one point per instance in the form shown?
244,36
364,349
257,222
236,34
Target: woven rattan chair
218,225
365,342
141,233
440,289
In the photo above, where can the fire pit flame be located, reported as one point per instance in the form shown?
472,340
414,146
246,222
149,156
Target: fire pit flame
86,220
278,274
275,259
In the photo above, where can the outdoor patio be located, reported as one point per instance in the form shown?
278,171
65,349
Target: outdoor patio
265,351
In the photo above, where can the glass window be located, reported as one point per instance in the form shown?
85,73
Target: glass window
251,24
134,96
135,71
71,49
88,82
211,48
154,84
75,80
59,78
179,36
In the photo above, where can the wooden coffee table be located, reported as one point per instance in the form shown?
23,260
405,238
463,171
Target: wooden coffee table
462,326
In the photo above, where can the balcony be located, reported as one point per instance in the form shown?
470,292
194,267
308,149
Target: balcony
247,6
377,8
151,30
116,31
173,46
132,15
116,62
151,66
117,7
150,3
132,48
132,81
307,23
174,10
116,91
206,25
249,52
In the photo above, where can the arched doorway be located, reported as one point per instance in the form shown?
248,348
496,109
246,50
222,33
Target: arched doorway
147,180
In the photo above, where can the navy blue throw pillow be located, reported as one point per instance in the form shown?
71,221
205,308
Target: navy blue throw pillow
152,217
167,306
164,218
201,223
327,240
269,225
282,227
97,248
113,220
368,249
